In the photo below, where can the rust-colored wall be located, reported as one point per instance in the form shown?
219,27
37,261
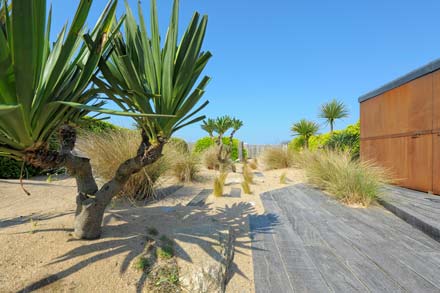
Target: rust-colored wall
400,129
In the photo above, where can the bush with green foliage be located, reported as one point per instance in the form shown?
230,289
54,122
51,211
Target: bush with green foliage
206,142
11,169
95,125
346,140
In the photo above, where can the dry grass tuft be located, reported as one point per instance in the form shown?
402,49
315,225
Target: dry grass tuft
283,178
184,166
109,150
219,184
210,158
351,181
248,176
246,187
278,158
253,164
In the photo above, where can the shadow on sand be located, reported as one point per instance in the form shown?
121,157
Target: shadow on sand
125,232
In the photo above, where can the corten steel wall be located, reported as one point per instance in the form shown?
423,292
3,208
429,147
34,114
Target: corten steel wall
400,128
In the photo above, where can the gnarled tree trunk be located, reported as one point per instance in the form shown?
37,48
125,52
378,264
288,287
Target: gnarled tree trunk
91,201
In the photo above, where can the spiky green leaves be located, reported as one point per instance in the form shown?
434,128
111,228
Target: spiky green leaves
333,110
143,77
305,129
36,76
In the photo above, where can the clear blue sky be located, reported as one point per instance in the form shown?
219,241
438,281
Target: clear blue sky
276,62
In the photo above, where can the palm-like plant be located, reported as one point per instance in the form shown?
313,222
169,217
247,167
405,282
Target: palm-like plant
220,126
142,77
36,79
333,110
305,129
209,126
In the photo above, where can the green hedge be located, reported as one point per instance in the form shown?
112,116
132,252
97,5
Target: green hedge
345,139
10,169
204,143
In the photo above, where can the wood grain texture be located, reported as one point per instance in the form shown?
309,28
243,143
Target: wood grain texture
322,246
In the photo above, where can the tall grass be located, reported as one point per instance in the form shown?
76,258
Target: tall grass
184,165
210,158
108,150
351,181
278,158
219,184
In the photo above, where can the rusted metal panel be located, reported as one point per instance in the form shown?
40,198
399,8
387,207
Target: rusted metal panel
420,163
436,163
405,109
436,102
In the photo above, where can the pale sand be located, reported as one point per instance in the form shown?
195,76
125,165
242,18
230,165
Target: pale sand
42,252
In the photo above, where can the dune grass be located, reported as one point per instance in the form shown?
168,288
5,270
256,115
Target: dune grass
351,181
109,150
278,158
219,184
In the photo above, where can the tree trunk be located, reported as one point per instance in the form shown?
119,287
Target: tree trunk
91,202
88,218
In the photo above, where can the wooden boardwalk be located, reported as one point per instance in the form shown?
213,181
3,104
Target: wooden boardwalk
319,245
419,209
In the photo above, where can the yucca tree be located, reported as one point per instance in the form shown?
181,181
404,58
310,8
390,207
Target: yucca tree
332,111
220,126
36,79
157,85
209,126
39,81
306,129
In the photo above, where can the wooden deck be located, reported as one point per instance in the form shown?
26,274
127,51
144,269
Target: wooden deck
419,209
319,245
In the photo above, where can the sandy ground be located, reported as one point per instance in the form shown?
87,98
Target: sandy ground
39,253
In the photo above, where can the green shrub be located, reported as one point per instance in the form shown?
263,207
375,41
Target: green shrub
11,168
351,181
315,142
346,140
206,142
95,125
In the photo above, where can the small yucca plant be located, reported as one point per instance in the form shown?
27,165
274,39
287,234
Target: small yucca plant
219,184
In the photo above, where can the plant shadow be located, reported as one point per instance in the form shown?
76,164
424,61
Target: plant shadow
125,231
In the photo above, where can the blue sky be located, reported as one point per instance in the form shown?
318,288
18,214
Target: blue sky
276,62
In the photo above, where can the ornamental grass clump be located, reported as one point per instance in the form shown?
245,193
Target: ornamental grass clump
278,158
109,150
219,184
184,165
350,181
248,176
